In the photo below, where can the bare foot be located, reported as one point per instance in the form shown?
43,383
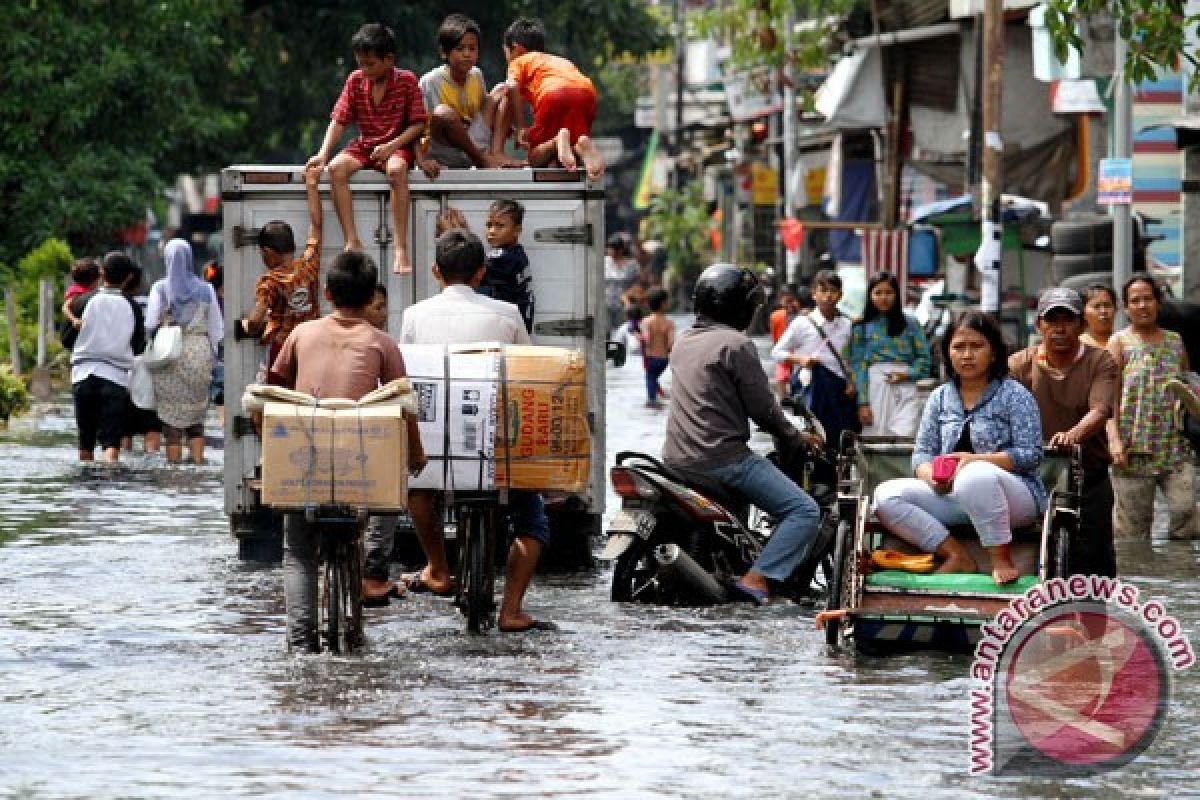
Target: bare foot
593,162
514,623
402,264
955,557
353,245
562,145
374,589
1003,569
501,161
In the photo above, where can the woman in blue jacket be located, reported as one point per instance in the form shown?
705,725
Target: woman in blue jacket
975,458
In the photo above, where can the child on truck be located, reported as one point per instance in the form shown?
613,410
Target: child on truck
288,292
467,125
563,100
341,355
508,277
385,103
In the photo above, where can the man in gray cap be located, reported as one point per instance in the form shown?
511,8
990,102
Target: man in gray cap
1076,390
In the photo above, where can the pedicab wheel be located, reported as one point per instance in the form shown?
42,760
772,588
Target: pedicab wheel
1060,552
476,575
842,551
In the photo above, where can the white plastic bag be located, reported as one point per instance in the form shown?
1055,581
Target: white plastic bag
141,384
166,347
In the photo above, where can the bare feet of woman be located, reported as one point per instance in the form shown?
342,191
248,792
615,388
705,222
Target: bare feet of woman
353,246
402,264
593,162
562,146
1003,569
955,557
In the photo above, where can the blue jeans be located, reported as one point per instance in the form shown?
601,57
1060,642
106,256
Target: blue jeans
797,515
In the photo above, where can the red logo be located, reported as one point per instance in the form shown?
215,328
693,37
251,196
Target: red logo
1085,687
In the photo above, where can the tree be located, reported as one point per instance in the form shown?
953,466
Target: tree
1156,31
101,100
758,33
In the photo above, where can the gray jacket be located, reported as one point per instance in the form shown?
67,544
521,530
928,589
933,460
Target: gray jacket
717,386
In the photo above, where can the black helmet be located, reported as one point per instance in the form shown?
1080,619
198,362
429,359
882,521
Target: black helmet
728,294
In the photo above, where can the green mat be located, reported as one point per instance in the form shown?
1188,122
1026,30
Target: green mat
952,582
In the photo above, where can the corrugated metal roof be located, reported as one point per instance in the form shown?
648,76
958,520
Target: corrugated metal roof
901,14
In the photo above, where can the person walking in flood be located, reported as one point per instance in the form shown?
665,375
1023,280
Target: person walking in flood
1148,450
888,354
181,388
658,337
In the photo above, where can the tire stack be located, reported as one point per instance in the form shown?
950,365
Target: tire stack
1082,248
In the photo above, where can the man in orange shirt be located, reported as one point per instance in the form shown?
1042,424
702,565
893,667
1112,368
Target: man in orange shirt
563,100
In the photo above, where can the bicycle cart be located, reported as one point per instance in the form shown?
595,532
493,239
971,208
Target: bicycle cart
893,609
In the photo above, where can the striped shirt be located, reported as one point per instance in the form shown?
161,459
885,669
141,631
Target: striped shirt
401,107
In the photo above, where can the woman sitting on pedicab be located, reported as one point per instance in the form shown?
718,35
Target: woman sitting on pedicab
975,458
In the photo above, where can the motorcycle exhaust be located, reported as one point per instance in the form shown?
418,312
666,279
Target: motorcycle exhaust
680,569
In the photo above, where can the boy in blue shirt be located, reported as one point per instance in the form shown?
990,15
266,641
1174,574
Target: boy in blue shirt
508,275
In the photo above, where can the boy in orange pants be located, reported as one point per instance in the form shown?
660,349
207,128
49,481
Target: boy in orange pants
563,100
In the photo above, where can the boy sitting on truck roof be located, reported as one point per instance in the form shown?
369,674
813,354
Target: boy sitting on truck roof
341,355
467,125
385,103
563,100
287,293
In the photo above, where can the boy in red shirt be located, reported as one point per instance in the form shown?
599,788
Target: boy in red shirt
385,103
563,100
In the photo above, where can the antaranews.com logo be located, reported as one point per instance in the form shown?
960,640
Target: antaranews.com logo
1072,678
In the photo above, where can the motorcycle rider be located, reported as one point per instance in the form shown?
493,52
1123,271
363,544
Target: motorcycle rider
717,380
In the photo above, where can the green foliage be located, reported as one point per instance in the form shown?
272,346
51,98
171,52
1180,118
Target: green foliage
51,259
757,33
14,398
104,102
679,219
1155,30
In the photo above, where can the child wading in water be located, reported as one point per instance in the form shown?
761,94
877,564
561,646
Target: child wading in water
385,103
563,100
658,336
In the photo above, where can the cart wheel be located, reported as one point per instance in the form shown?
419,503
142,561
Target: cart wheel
843,550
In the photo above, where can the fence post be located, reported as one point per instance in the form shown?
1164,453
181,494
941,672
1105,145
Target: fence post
14,344
43,309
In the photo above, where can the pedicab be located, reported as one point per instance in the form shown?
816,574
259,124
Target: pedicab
894,609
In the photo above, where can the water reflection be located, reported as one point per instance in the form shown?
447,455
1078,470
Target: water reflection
139,657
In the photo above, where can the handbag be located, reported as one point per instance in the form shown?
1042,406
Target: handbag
165,348
141,384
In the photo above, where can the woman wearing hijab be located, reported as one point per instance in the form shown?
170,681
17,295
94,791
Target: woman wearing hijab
181,388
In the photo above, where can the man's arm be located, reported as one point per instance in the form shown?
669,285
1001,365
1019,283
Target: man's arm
1100,405
755,391
1116,447
794,339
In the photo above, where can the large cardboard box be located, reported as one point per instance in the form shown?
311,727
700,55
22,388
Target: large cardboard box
501,416
355,457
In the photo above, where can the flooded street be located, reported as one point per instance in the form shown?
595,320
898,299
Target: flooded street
140,658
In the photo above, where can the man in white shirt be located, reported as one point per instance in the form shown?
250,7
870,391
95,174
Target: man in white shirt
459,315
816,342
101,360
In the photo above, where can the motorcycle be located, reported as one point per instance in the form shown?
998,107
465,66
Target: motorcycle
683,538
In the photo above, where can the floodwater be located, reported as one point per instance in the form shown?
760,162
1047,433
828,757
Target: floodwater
140,658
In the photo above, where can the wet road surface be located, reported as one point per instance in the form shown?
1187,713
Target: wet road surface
140,658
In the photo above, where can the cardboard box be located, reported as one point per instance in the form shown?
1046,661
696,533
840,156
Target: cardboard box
494,416
316,456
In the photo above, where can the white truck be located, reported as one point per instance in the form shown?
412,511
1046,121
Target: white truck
563,234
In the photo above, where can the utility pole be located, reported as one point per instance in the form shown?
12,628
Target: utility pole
680,31
1122,148
990,255
791,263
